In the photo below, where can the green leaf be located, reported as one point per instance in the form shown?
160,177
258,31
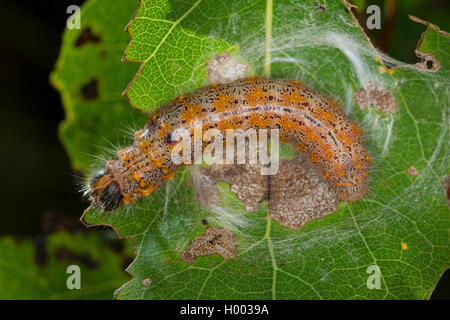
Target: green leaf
431,42
99,118
401,226
31,271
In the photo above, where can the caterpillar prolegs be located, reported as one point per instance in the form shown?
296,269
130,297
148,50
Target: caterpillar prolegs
313,122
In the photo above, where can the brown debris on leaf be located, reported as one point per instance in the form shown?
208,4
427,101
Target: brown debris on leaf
428,63
214,240
413,171
245,181
297,193
373,94
225,68
147,282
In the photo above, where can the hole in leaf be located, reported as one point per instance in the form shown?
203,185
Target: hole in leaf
90,90
86,36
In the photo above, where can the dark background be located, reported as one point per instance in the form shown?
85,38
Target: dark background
36,177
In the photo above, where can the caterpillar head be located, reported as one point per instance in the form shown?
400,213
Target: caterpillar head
104,191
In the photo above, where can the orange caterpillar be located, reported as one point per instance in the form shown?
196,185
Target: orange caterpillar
314,122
